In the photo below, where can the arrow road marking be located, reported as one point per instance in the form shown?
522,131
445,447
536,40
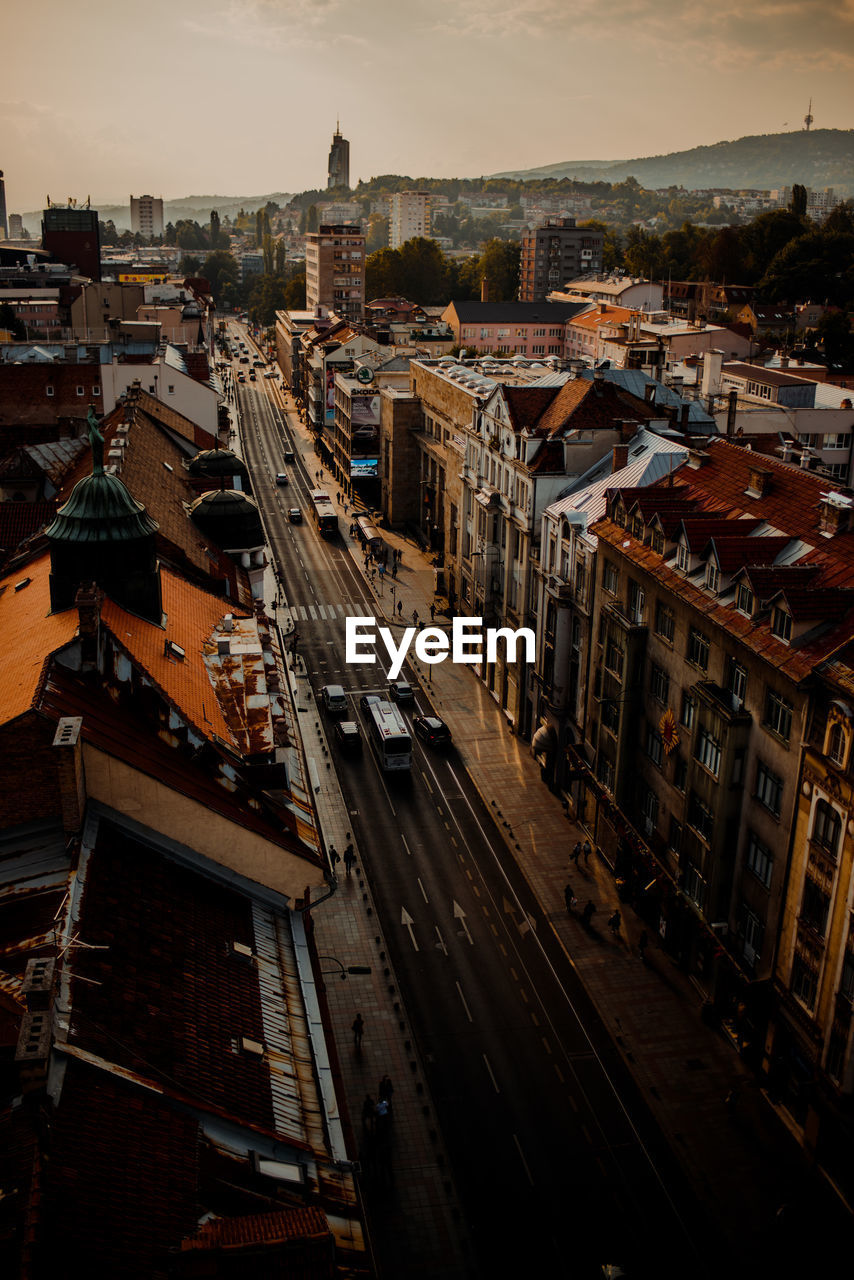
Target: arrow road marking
407,921
460,915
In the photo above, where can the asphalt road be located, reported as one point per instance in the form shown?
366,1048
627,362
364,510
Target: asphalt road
555,1157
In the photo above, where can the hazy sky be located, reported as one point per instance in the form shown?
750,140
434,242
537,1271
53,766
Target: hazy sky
231,97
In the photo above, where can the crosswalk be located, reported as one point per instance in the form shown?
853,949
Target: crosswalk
321,612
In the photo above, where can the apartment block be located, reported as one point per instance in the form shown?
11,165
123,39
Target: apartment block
554,253
409,216
335,269
146,215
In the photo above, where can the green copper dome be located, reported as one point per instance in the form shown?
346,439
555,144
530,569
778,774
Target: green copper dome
216,462
100,509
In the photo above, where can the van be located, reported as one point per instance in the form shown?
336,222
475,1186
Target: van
334,699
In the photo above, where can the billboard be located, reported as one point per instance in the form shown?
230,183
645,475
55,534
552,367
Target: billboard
136,277
364,409
330,394
364,468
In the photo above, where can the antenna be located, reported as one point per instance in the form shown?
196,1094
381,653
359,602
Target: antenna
808,118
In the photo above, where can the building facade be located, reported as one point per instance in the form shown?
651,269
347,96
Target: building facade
146,216
554,253
409,216
335,269
338,168
71,235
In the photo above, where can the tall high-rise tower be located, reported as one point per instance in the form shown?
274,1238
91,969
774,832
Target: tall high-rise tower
71,235
4,231
339,160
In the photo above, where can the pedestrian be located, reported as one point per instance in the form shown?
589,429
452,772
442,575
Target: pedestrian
576,852
643,941
385,1089
587,913
415,616
337,495
586,850
358,1029
614,922
382,1119
334,855
394,570
400,608
349,858
570,899
432,612
368,1112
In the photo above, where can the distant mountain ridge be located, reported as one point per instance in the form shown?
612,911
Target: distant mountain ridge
820,158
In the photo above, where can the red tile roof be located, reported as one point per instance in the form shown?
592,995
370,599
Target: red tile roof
733,552
33,634
282,1227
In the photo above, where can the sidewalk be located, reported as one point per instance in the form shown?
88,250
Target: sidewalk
742,1160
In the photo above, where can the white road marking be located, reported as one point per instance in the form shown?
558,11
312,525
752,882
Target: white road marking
522,1158
491,1076
465,1006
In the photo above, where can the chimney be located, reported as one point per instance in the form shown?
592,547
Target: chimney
806,458
88,602
683,414
619,457
834,514
712,362
731,412
69,767
649,393
484,289
628,430
759,482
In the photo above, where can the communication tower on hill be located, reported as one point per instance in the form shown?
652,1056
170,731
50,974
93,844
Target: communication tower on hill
808,118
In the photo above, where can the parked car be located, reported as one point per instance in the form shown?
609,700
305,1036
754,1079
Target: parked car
401,691
334,699
295,515
349,735
432,730
281,478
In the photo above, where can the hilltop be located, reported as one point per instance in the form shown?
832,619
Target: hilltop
820,158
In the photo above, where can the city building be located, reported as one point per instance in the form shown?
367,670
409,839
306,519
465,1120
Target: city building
338,170
619,290
16,226
512,328
723,591
71,235
554,253
146,216
409,216
335,269
4,229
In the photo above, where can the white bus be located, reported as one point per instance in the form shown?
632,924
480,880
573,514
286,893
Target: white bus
390,737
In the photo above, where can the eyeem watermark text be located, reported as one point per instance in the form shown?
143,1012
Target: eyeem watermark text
467,643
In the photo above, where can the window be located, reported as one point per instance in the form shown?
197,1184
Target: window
708,751
664,622
683,557
827,827
49,391
700,817
81,391
580,579
804,980
695,885
637,602
611,714
674,839
680,773
614,656
698,649
837,440
836,744
744,599
760,860
96,390
778,715
649,810
815,906
659,683
781,625
736,682
769,789
688,708
752,939
610,578
657,542
713,576
653,745
637,526
846,980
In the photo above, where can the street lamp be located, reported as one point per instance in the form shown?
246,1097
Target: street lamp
343,970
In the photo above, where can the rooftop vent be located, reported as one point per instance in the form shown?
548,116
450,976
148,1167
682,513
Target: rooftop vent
253,1048
173,650
834,514
68,731
697,459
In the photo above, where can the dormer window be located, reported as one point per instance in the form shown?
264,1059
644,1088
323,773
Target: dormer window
637,527
683,557
744,599
713,576
658,542
836,744
781,625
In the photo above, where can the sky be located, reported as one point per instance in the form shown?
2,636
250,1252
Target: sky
241,97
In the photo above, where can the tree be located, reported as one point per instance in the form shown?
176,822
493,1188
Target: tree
219,269
377,233
837,340
644,254
215,233
279,256
295,293
798,203
499,266
189,265
8,320
815,266
109,235
189,235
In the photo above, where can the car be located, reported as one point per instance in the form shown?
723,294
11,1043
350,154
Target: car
295,515
244,359
334,699
288,455
281,478
432,730
349,735
367,701
252,377
401,691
